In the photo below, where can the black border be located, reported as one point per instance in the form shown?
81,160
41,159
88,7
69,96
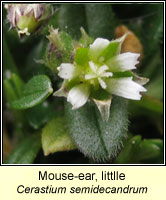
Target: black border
83,2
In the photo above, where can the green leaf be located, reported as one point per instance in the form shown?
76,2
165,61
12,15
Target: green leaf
36,90
55,137
71,18
129,152
101,20
137,150
13,87
149,149
95,138
150,104
8,62
40,114
26,151
155,88
152,27
81,56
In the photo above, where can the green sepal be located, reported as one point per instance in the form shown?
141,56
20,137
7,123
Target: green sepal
82,56
111,50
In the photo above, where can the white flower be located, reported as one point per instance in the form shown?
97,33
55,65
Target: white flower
105,70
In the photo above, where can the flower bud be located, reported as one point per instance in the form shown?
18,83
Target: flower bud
26,18
59,49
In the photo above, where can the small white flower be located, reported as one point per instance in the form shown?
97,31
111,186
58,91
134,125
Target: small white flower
106,71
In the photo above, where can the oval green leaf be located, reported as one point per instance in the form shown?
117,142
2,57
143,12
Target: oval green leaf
26,151
95,138
35,91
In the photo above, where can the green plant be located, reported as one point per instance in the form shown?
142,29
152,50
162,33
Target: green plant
74,52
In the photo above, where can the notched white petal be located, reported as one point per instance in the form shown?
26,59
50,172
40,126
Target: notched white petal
123,62
66,71
78,95
125,87
104,108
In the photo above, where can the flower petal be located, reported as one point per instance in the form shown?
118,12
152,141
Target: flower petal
104,108
78,95
66,71
123,62
97,47
125,87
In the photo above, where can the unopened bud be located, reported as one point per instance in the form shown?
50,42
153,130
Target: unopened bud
59,49
26,18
